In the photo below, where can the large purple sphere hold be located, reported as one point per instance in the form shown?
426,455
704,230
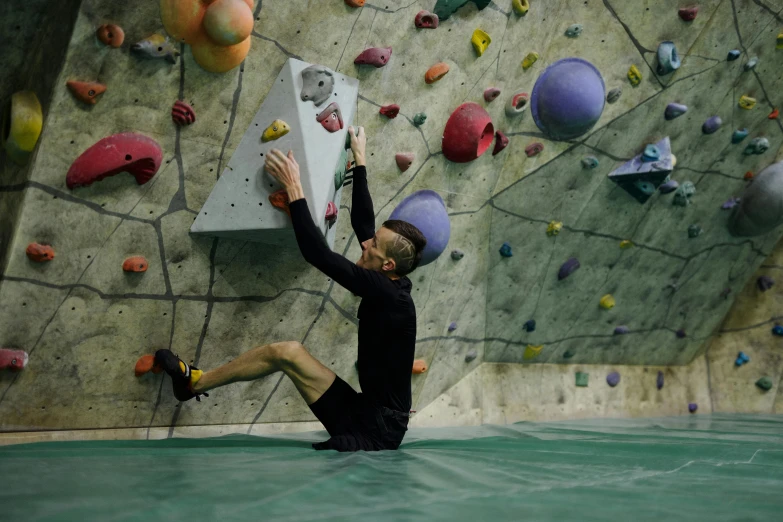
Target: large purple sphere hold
426,211
568,98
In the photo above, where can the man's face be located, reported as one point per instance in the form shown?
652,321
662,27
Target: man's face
374,252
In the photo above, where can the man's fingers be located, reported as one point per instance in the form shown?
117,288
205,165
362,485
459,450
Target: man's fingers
351,131
361,132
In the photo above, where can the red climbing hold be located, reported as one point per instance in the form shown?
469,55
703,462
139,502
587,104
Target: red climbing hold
145,364
426,20
331,118
86,92
376,56
689,13
404,160
14,360
126,152
39,253
390,111
182,113
135,264
331,212
501,142
774,115
355,3
533,149
468,133
280,200
748,175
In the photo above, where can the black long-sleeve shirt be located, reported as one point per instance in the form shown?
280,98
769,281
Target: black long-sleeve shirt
387,315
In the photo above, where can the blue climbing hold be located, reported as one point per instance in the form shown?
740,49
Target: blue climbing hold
711,125
505,250
739,135
742,358
692,407
674,110
452,326
530,325
659,380
620,330
733,55
613,379
651,153
777,329
668,59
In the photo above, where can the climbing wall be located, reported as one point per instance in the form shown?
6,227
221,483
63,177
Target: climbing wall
84,322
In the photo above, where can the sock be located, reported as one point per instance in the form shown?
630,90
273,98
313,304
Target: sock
195,375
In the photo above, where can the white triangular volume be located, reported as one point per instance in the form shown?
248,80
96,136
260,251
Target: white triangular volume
239,206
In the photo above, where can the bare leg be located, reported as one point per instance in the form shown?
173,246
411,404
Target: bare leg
311,377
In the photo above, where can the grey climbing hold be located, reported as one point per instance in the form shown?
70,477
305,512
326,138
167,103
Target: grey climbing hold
317,84
711,125
739,135
683,195
530,325
765,283
574,30
590,162
668,59
505,250
674,110
457,254
761,206
692,407
651,153
419,119
751,64
669,186
765,383
659,380
757,146
620,330
694,231
567,268
452,326
614,95
471,355
613,379
733,55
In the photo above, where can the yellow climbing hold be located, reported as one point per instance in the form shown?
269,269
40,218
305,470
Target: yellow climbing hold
529,60
531,352
634,75
521,7
21,125
780,41
480,41
554,228
607,302
746,102
278,129
674,161
626,243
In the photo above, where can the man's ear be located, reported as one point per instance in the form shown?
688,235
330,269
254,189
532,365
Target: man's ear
389,265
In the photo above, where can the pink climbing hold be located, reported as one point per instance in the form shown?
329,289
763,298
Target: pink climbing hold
533,149
468,133
426,20
404,160
331,211
390,111
689,13
491,93
501,142
129,152
182,113
331,118
375,56
14,360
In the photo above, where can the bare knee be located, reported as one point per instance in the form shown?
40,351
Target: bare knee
285,353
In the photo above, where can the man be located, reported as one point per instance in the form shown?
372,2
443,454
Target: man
377,418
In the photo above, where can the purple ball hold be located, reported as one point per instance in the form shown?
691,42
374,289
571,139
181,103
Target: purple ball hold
568,98
692,407
613,379
712,125
426,211
659,380
452,326
567,268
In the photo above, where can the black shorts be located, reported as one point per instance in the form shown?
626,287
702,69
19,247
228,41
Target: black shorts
354,424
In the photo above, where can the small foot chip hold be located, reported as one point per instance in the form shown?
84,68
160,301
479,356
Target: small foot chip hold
135,264
86,92
779,44
757,146
681,333
111,35
742,358
581,378
607,302
734,54
621,330
688,14
490,93
530,325
404,160
682,197
692,407
279,199
739,135
748,175
574,30
751,64
747,102
390,111
471,355
505,250
146,364
501,142
375,56
764,283
614,95
452,326
436,72
277,129
426,20
774,115
694,231
730,203
554,228
182,113
589,163
765,383
777,330
567,268
568,354
419,366
521,7
669,186
156,46
531,351
659,380
331,118
480,40
534,149
529,59
14,360
613,379
626,243
419,119
39,253
634,75
674,110
457,254
712,125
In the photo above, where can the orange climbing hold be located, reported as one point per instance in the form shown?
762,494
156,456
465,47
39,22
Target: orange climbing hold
774,115
436,72
355,3
86,92
39,253
748,175
146,364
111,35
135,264
280,200
419,366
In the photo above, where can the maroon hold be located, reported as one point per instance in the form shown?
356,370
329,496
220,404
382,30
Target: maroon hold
182,113
490,93
404,160
426,20
375,56
331,212
14,360
468,133
689,13
126,152
331,118
390,111
501,142
533,149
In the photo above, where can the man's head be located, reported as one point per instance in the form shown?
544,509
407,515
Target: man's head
395,250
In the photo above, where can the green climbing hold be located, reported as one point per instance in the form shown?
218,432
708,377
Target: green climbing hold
419,119
581,378
347,140
339,174
765,383
445,8
568,354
